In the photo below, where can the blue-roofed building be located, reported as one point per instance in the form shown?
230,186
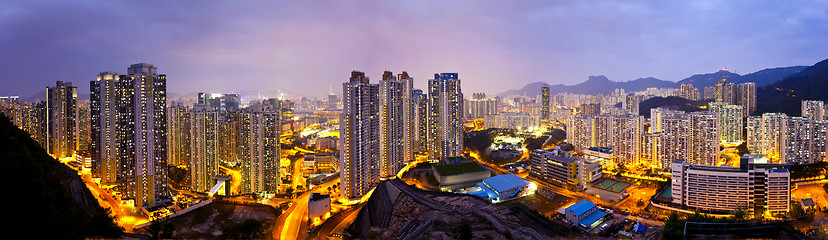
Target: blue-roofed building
504,187
585,214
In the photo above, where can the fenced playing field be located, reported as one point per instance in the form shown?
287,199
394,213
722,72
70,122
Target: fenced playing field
611,185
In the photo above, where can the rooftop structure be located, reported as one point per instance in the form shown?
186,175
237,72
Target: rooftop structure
504,187
584,214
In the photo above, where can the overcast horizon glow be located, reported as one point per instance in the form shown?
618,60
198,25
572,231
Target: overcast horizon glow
307,47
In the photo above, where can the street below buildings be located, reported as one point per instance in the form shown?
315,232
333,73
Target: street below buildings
295,218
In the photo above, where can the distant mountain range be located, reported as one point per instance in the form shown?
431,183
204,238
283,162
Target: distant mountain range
786,95
779,89
602,85
761,78
593,85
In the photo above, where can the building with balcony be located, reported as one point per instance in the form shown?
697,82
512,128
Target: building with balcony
756,187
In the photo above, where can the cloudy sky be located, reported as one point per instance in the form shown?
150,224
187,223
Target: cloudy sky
307,46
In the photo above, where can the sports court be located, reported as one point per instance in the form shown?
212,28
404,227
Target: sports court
611,185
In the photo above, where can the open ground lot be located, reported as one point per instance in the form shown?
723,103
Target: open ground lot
213,219
814,191
543,205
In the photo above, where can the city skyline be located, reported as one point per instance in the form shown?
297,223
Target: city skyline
584,119
238,48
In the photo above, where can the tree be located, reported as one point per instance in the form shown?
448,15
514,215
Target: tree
742,149
620,169
739,214
796,210
650,171
673,227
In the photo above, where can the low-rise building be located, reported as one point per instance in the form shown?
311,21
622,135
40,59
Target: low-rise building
506,187
590,170
585,214
558,168
321,160
551,167
331,143
318,206
602,154
756,186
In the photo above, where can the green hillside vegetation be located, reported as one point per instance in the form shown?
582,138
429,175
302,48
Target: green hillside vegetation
38,199
673,103
786,95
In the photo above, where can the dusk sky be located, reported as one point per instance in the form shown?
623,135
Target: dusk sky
306,46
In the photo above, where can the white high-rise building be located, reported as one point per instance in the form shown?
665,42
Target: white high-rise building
814,110
105,99
631,103
204,160
753,138
746,97
656,114
675,138
409,140
603,132
396,128
819,141
445,116
580,131
62,119
730,121
704,138
766,135
544,100
143,151
259,148
797,141
627,130
480,106
651,149
360,137
420,120
784,139
178,134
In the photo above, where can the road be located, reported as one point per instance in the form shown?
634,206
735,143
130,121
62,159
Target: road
555,189
235,180
571,194
298,178
294,219
645,221
338,223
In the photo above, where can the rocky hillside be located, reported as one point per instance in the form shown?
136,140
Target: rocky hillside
44,198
